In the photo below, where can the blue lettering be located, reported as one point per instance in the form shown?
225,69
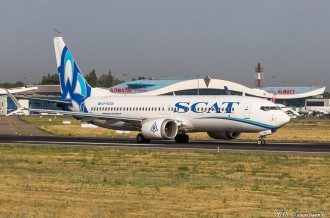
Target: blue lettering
183,107
229,106
215,107
179,106
193,107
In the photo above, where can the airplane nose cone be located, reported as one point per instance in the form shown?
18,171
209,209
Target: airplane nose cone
284,119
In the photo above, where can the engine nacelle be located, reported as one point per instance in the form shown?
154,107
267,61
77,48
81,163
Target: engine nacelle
224,135
160,128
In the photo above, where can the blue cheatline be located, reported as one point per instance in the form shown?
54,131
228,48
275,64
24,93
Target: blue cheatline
251,122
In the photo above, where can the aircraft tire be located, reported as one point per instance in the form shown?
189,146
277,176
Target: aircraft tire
261,142
141,139
181,138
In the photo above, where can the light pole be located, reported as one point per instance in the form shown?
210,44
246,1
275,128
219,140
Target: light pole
273,77
198,75
125,74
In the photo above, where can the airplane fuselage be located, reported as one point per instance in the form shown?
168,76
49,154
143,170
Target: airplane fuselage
197,113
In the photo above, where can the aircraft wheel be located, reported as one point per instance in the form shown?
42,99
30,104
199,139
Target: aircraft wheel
181,138
261,142
178,138
141,139
185,138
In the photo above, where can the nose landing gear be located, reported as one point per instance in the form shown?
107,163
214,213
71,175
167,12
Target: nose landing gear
262,135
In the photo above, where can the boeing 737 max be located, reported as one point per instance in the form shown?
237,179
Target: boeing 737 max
163,117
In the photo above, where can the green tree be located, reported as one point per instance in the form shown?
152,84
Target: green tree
139,78
50,79
91,79
108,80
8,85
326,95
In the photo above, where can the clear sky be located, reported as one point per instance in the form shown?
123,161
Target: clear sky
223,39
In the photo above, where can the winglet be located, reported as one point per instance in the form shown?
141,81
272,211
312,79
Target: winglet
19,106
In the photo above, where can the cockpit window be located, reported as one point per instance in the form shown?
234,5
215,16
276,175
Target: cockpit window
270,108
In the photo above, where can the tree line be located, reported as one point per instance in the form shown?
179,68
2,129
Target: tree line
105,80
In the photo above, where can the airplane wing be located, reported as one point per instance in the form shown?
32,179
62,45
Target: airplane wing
82,115
17,90
48,100
85,115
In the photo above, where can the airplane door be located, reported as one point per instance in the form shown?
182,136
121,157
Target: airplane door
169,109
247,110
162,110
82,106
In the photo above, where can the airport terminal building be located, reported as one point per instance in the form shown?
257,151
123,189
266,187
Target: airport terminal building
290,96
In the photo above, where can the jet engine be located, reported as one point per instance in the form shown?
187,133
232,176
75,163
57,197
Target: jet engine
224,135
160,128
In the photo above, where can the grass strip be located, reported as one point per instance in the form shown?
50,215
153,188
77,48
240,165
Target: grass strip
97,182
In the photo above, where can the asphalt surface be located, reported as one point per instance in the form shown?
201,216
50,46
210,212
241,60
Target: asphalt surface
11,125
14,131
210,145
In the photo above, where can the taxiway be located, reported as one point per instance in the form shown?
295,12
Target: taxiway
194,145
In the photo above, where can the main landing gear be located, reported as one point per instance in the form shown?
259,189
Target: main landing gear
181,138
141,139
261,141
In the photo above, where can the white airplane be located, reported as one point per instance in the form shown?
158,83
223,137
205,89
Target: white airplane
162,117
289,111
321,111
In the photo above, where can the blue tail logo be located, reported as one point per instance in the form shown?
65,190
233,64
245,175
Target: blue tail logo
73,84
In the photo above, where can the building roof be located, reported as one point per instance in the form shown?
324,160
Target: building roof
160,87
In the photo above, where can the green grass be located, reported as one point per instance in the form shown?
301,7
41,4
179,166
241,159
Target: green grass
295,131
98,182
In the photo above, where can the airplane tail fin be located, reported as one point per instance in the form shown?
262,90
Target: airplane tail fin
73,84
16,102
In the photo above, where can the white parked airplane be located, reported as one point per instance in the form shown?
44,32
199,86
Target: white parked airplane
163,117
289,111
321,111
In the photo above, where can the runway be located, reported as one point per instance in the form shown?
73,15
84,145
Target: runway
194,145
